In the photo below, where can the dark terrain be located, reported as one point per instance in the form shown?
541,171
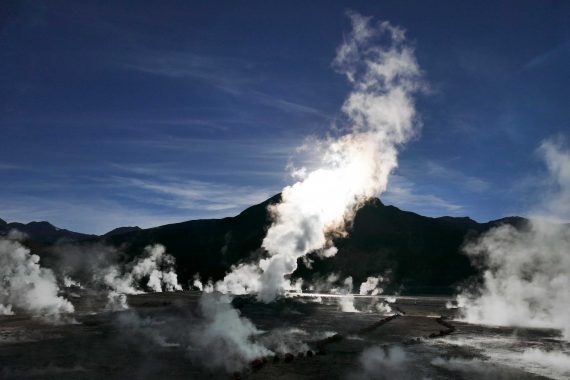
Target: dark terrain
420,255
152,340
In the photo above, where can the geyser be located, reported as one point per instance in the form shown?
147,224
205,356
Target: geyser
526,277
27,286
380,117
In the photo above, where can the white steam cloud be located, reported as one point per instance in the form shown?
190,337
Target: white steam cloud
159,266
370,286
384,74
68,282
379,362
156,266
222,338
501,352
526,281
346,303
343,293
286,340
26,286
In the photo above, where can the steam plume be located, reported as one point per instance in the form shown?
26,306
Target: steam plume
25,285
159,267
155,265
381,116
526,281
346,303
370,286
222,338
382,363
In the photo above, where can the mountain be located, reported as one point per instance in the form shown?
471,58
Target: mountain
206,246
43,232
121,231
418,254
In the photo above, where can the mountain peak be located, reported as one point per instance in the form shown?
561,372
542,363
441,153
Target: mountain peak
376,202
42,224
122,230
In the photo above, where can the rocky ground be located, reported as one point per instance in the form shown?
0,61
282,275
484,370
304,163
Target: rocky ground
152,340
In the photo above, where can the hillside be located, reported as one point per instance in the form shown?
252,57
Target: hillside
43,232
419,254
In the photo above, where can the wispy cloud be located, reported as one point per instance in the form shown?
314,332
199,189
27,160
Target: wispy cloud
278,145
229,74
93,216
253,154
197,195
557,52
402,193
236,77
151,202
146,195
467,182
9,167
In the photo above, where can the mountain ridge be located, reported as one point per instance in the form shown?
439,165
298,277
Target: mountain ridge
417,253
43,232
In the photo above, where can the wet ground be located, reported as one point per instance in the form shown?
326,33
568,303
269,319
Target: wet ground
312,341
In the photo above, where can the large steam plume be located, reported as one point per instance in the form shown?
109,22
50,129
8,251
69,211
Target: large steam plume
380,115
26,286
526,281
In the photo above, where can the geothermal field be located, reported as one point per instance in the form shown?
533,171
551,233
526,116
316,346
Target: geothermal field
173,335
279,190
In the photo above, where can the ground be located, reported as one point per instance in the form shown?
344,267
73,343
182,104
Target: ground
155,339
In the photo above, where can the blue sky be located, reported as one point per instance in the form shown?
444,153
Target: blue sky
145,113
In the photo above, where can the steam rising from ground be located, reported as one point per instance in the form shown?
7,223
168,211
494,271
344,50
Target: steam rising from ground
25,285
381,116
379,362
216,337
527,271
222,338
346,303
370,286
286,340
500,352
156,266
341,291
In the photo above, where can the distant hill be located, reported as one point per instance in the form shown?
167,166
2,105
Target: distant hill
121,231
420,254
43,232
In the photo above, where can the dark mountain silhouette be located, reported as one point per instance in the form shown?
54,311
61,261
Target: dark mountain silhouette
419,254
43,232
121,230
